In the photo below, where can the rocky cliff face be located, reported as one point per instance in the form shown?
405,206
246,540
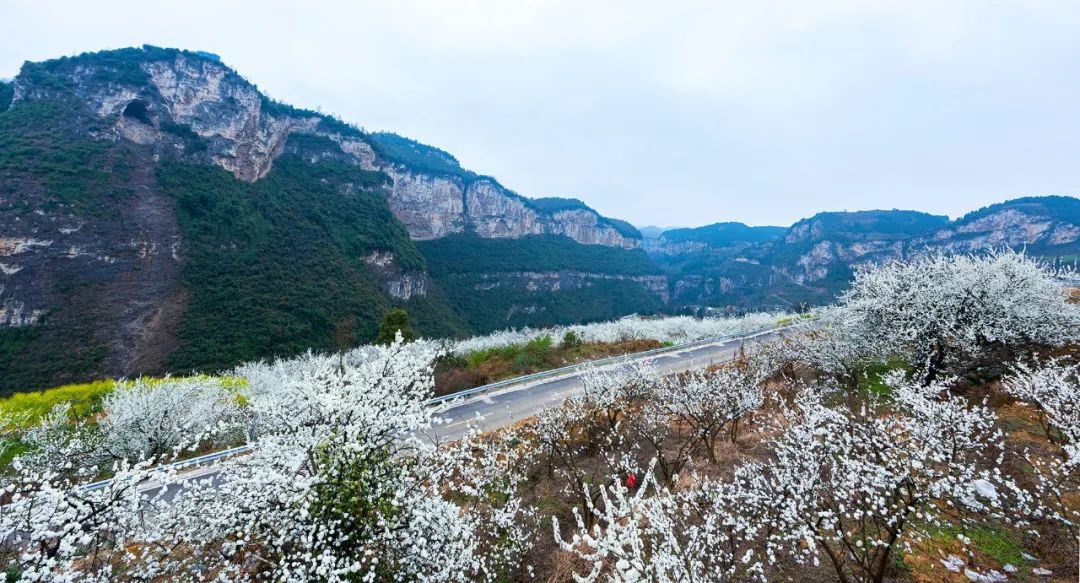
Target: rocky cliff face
431,207
493,212
1044,226
398,283
161,214
112,277
244,132
1012,227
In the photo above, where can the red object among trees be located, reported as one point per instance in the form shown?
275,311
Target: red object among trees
631,480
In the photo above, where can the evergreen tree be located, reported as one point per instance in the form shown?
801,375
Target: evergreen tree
396,320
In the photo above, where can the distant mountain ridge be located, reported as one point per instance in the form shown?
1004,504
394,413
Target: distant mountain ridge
730,264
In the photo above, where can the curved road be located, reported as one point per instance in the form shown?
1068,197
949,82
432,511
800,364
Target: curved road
505,407
514,402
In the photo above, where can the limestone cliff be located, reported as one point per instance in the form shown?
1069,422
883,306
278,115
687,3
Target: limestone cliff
174,91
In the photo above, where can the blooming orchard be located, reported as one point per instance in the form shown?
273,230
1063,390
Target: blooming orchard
1054,388
676,329
779,462
341,485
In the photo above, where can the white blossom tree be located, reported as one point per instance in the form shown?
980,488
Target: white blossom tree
712,403
939,310
846,486
341,486
1053,387
607,392
716,531
580,453
837,347
148,418
52,526
854,480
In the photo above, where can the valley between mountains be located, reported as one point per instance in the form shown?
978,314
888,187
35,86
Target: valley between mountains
159,214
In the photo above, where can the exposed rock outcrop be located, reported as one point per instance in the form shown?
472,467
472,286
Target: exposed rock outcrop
430,206
398,283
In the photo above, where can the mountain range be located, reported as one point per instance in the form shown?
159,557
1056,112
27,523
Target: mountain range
736,266
158,213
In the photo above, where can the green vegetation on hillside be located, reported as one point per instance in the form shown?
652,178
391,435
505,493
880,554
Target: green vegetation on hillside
122,66
416,156
396,321
624,228
725,234
7,90
471,271
276,266
553,204
487,305
41,141
882,224
459,254
45,157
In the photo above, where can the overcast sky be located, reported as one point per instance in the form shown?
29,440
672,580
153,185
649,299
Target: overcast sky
664,113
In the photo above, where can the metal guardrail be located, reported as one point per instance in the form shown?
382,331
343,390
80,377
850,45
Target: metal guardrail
491,387
556,372
195,461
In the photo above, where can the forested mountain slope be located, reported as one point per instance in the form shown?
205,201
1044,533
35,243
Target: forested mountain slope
159,214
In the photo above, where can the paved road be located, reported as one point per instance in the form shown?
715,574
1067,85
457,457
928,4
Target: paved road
513,403
501,409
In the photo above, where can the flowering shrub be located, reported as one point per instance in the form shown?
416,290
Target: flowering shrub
150,418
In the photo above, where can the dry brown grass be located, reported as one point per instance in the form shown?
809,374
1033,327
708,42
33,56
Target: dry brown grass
1049,543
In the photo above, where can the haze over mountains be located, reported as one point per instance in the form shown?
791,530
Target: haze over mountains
161,214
